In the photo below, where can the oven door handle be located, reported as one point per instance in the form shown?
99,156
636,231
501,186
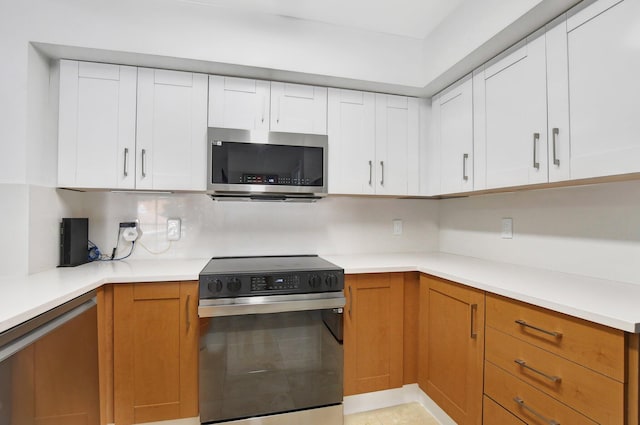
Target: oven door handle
265,305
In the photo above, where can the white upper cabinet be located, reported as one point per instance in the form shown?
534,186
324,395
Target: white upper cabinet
297,108
396,163
604,88
97,121
171,130
351,128
453,121
513,129
239,103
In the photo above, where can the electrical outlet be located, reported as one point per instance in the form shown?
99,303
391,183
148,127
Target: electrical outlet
173,229
507,228
397,226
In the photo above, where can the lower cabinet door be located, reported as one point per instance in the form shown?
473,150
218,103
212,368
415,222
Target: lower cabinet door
373,332
451,347
155,329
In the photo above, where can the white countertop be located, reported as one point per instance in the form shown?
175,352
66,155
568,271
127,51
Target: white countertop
610,303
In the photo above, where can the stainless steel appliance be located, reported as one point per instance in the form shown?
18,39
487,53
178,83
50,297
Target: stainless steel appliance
266,354
266,165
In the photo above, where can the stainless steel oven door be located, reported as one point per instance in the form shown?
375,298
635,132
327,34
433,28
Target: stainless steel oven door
268,360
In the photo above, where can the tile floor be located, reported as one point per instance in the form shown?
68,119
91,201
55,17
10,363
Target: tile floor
404,414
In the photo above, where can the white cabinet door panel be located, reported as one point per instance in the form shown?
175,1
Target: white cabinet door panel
171,130
604,66
351,125
96,133
454,112
516,118
297,108
238,103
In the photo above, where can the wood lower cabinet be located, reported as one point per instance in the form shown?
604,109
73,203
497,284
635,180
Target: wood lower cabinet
451,347
55,379
373,332
155,351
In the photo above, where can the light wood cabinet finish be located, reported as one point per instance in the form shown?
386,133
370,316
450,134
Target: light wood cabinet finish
494,414
597,396
55,380
595,346
411,323
373,332
504,388
155,351
451,347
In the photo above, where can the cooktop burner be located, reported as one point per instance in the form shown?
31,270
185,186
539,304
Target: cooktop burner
227,277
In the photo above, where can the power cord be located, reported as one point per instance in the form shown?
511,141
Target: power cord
96,255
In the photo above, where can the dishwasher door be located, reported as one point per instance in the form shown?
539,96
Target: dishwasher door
49,368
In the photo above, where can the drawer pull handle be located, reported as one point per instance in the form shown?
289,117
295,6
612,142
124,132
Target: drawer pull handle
552,378
538,415
552,333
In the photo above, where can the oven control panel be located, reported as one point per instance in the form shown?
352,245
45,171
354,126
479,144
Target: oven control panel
227,286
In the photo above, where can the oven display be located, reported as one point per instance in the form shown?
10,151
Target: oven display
269,283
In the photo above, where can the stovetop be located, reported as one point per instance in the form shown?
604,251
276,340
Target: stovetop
227,277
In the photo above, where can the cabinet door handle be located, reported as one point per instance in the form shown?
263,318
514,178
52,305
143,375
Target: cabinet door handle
534,412
536,138
554,137
144,160
350,301
464,166
126,162
382,176
370,173
527,325
552,378
186,307
473,309
264,103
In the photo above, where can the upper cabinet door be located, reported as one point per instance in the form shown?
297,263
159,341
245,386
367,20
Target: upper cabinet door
96,132
453,118
297,108
604,89
171,130
351,125
397,132
515,115
238,103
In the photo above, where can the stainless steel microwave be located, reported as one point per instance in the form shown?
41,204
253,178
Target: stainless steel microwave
266,165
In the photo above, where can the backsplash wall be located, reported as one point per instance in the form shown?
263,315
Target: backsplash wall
590,230
334,225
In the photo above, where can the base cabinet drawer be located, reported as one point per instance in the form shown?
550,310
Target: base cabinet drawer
526,402
597,396
494,414
594,346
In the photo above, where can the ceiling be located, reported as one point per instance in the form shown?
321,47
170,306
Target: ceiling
407,18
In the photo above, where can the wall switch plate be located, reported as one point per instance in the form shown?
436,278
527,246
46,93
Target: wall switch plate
173,229
507,228
397,227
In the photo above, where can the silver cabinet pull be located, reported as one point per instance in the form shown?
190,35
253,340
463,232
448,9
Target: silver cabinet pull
554,136
350,301
464,166
126,162
536,138
370,173
552,378
552,333
473,308
382,176
144,160
186,307
538,415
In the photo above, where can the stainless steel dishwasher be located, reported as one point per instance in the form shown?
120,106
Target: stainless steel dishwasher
267,355
49,367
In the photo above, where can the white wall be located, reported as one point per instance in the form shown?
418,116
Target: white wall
334,225
590,230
